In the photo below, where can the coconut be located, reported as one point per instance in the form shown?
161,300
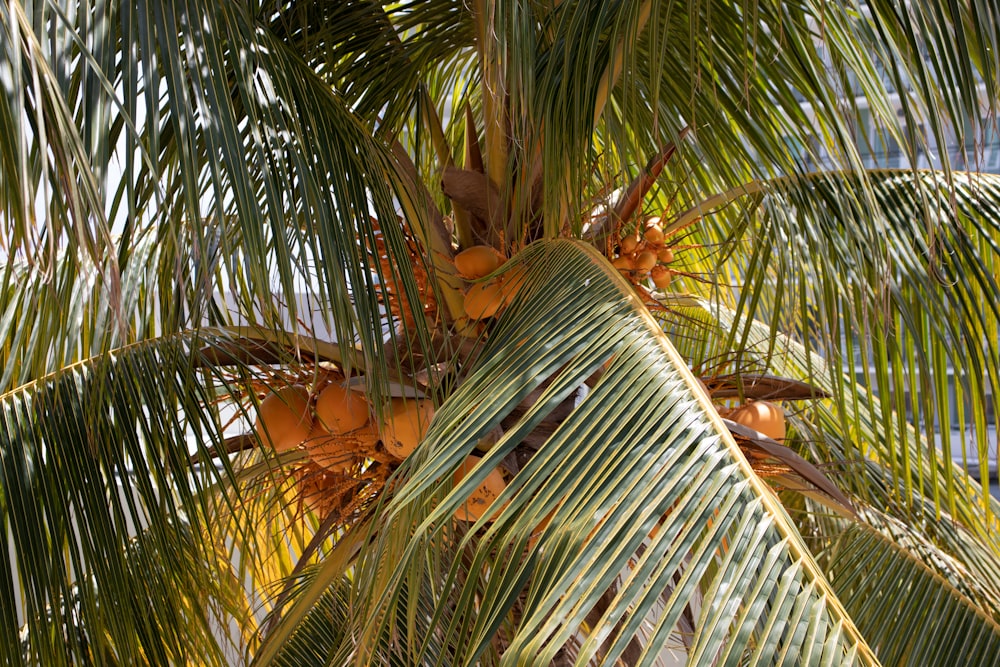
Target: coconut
629,244
665,255
761,416
654,234
623,263
484,494
511,283
406,425
661,276
645,260
477,261
341,410
483,300
283,418
331,452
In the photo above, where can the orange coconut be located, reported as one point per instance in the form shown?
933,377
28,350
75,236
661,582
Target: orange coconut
661,276
341,410
283,418
629,244
511,283
477,261
645,260
484,494
331,452
483,300
405,426
665,255
761,416
624,263
654,234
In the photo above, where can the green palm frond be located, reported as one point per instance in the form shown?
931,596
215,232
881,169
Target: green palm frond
641,449
841,431
376,56
959,536
905,608
44,152
237,176
90,457
955,557
892,278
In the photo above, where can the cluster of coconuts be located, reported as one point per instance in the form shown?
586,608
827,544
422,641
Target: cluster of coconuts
487,298
646,256
334,427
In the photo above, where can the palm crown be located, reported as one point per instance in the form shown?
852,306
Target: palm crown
208,203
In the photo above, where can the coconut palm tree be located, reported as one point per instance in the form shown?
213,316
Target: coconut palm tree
427,333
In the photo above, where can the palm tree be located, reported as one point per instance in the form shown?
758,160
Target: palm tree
206,203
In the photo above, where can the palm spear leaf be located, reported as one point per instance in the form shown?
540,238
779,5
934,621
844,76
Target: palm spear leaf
638,450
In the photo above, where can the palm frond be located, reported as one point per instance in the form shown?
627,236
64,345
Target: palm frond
236,178
907,609
956,555
891,279
638,451
375,56
91,457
